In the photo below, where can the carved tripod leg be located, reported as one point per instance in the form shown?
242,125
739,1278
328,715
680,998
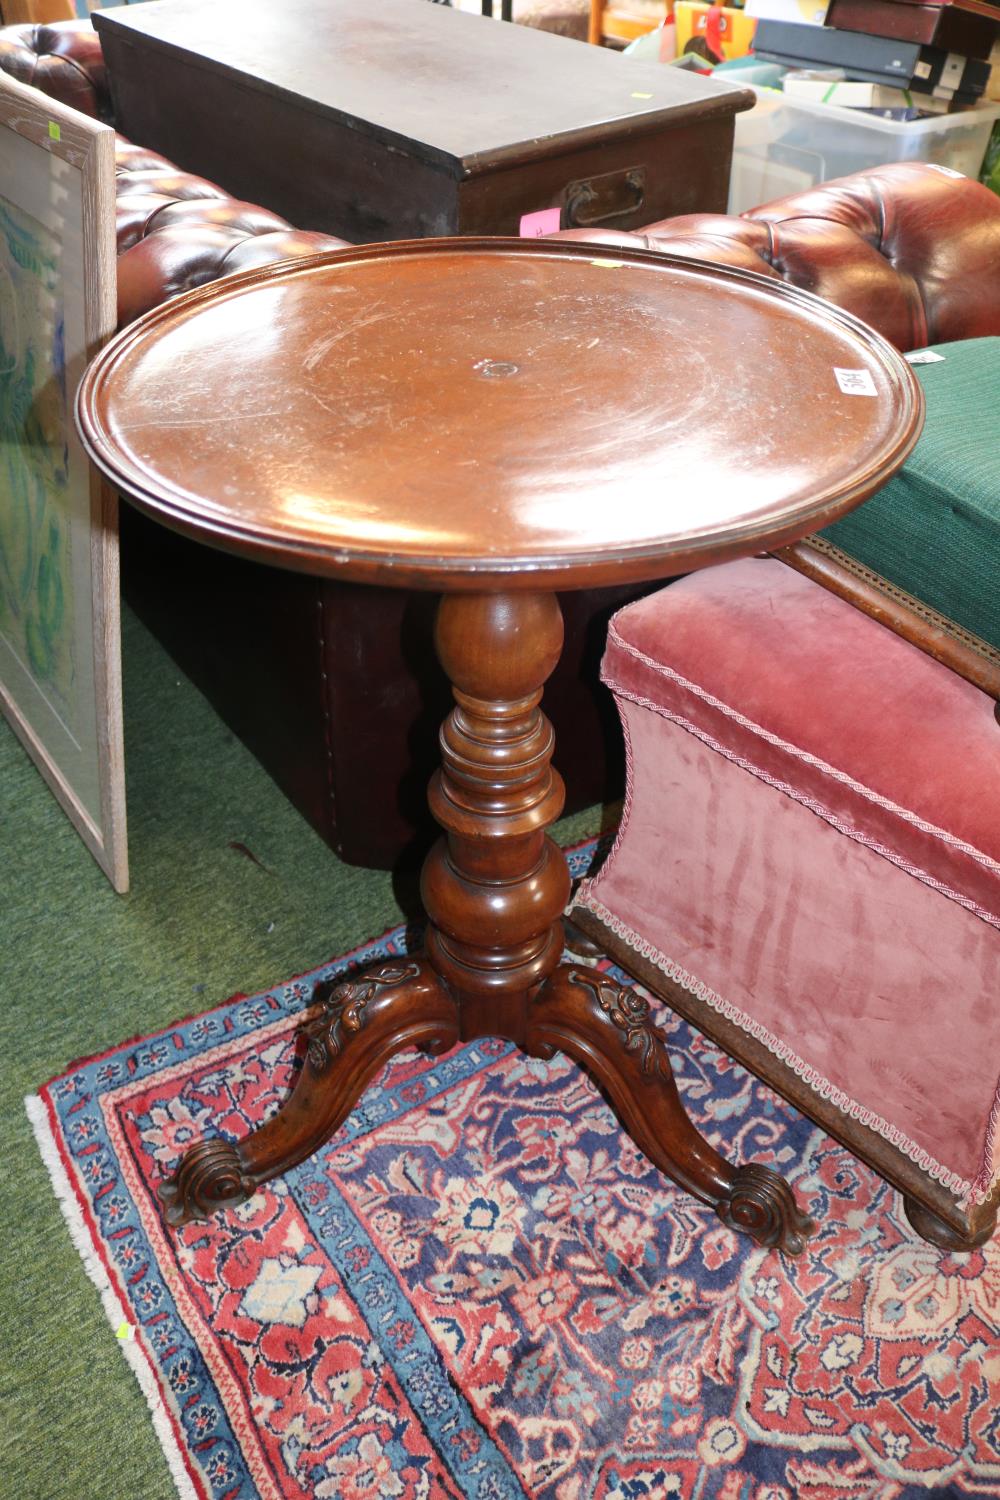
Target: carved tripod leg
398,1005
607,1028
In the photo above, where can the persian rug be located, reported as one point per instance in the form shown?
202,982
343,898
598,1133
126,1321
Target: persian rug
480,1290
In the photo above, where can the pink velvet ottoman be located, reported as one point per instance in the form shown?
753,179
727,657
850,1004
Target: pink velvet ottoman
808,868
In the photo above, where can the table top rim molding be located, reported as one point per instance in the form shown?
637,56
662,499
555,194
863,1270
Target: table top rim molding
475,572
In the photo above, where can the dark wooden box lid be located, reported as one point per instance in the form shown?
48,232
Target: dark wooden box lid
454,88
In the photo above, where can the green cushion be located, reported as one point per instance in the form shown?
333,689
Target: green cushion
934,530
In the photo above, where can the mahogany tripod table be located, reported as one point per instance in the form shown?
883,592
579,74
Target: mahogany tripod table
496,420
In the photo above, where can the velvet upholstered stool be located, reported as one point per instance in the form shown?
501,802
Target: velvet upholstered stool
808,868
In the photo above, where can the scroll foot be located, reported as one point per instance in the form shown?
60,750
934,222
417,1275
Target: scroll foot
210,1177
362,1023
762,1205
607,1028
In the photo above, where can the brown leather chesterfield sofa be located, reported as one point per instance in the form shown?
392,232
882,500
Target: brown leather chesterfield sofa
333,686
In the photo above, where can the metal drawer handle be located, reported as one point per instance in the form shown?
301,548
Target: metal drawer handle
597,200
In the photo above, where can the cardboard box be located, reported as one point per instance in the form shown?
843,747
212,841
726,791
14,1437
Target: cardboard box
722,28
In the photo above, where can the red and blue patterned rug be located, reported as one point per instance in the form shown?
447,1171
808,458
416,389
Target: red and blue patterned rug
480,1290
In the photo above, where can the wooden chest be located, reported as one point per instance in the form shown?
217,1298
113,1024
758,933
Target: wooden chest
390,119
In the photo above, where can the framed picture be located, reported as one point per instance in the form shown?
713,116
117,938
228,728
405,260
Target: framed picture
60,651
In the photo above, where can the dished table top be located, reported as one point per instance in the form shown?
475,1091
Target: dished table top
490,413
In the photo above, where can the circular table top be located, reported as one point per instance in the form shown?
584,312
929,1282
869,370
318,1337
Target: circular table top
497,413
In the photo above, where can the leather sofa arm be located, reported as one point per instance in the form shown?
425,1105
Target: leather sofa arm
912,249
181,256
937,230
63,60
822,257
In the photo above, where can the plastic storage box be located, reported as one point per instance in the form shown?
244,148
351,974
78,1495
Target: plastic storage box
785,145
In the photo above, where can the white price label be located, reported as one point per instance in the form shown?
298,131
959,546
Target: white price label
923,357
855,382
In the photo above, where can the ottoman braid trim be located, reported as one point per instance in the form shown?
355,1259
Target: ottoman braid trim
967,1194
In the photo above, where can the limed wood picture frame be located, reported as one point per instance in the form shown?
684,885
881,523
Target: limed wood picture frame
60,646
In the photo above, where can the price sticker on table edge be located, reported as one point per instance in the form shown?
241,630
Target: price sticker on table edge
923,357
855,382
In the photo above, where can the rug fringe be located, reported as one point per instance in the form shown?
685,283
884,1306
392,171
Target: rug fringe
116,1310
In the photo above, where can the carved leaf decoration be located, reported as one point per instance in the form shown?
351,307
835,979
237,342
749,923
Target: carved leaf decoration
630,1013
344,1010
398,975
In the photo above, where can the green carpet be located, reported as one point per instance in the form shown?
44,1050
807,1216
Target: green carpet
82,969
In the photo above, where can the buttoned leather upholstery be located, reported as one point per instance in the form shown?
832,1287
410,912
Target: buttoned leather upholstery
899,246
175,230
65,61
